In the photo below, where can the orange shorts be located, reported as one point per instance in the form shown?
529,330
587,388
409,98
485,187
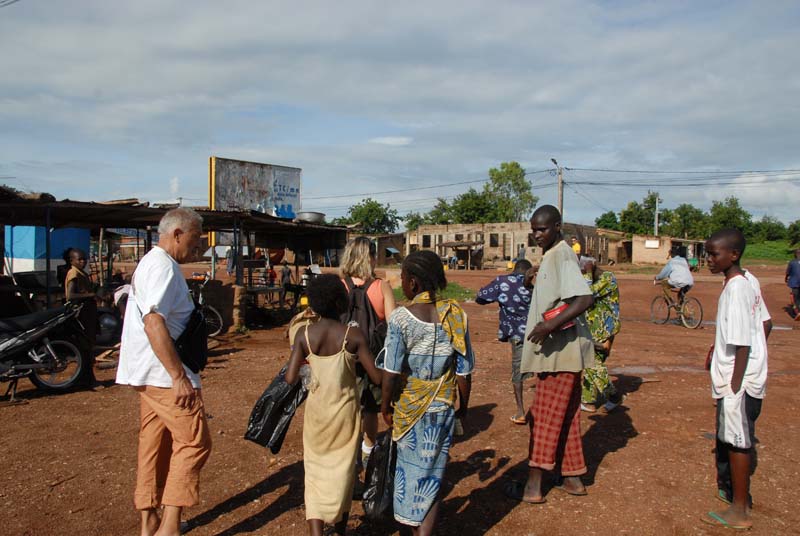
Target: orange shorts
174,444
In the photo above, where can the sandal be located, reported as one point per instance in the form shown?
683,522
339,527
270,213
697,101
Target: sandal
516,491
519,420
713,518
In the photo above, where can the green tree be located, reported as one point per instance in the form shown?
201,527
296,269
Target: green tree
439,214
371,216
729,213
472,207
686,221
768,228
793,232
413,220
510,193
608,221
638,218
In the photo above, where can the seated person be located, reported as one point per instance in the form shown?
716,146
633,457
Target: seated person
676,275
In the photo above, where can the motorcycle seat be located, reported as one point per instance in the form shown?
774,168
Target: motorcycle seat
18,324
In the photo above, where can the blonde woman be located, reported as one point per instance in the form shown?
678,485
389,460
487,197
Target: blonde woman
358,265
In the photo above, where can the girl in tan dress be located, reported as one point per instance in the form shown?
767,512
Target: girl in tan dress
330,424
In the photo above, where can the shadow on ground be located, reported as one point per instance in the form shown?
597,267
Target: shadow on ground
291,475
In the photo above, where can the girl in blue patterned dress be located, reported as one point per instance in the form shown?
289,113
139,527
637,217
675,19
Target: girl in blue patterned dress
427,346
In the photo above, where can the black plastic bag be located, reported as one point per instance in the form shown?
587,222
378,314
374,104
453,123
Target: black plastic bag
273,411
378,495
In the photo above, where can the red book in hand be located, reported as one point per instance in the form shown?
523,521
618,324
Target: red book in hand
552,313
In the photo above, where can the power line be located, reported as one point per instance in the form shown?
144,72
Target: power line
736,172
590,200
416,189
417,200
6,3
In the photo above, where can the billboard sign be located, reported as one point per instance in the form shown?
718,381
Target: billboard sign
266,188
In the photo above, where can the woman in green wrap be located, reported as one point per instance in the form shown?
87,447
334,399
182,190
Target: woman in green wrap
427,346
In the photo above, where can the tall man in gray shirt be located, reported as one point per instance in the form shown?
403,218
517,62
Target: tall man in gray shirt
558,347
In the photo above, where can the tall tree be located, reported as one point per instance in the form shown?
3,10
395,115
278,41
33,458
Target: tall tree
373,217
510,193
413,220
473,207
638,218
686,221
729,213
608,220
768,228
440,213
793,232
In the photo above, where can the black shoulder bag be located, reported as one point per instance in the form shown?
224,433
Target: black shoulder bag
192,343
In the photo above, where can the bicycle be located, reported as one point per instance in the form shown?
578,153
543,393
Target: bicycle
214,323
689,310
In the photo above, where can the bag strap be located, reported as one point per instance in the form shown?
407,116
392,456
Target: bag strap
344,342
308,343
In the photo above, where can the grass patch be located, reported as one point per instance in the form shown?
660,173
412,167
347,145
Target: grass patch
454,291
770,250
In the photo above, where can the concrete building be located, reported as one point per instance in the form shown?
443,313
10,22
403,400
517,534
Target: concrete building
499,242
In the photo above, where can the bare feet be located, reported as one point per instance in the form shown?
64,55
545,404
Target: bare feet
572,485
150,522
533,487
170,522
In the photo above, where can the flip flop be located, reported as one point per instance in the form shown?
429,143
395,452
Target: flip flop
516,490
519,420
722,496
712,518
576,493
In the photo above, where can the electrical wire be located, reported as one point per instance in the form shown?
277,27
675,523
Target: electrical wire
474,181
653,171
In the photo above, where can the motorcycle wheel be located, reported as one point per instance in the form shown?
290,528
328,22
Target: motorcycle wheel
64,372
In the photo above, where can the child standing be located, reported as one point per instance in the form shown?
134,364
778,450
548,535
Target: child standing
514,300
330,422
78,287
738,378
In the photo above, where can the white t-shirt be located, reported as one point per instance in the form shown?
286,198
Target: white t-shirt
158,286
738,324
759,343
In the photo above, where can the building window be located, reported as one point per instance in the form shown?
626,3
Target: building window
438,239
459,237
426,241
531,241
494,240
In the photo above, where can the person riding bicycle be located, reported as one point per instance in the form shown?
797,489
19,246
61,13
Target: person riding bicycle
676,275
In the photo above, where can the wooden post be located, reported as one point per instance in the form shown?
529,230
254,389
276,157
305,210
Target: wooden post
47,276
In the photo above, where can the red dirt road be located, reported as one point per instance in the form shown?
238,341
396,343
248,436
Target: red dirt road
70,460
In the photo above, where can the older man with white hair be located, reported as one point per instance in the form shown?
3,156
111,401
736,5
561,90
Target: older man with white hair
174,441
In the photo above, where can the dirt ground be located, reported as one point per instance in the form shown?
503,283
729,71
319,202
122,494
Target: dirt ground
71,459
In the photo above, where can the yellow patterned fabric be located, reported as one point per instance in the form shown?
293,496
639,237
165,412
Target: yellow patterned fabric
452,318
417,396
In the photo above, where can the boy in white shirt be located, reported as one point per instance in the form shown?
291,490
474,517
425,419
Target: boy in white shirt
738,376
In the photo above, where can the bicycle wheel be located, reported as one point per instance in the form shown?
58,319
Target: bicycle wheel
691,313
659,310
213,321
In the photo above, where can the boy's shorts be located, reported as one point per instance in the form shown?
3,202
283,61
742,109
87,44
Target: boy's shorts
736,419
516,360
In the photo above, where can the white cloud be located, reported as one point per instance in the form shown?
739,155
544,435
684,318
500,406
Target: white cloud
392,141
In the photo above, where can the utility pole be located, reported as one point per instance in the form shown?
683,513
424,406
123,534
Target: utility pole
560,188
655,222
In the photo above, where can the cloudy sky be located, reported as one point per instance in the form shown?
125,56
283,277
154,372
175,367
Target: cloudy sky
106,100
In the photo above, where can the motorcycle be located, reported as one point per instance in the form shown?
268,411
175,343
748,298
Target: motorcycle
44,347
